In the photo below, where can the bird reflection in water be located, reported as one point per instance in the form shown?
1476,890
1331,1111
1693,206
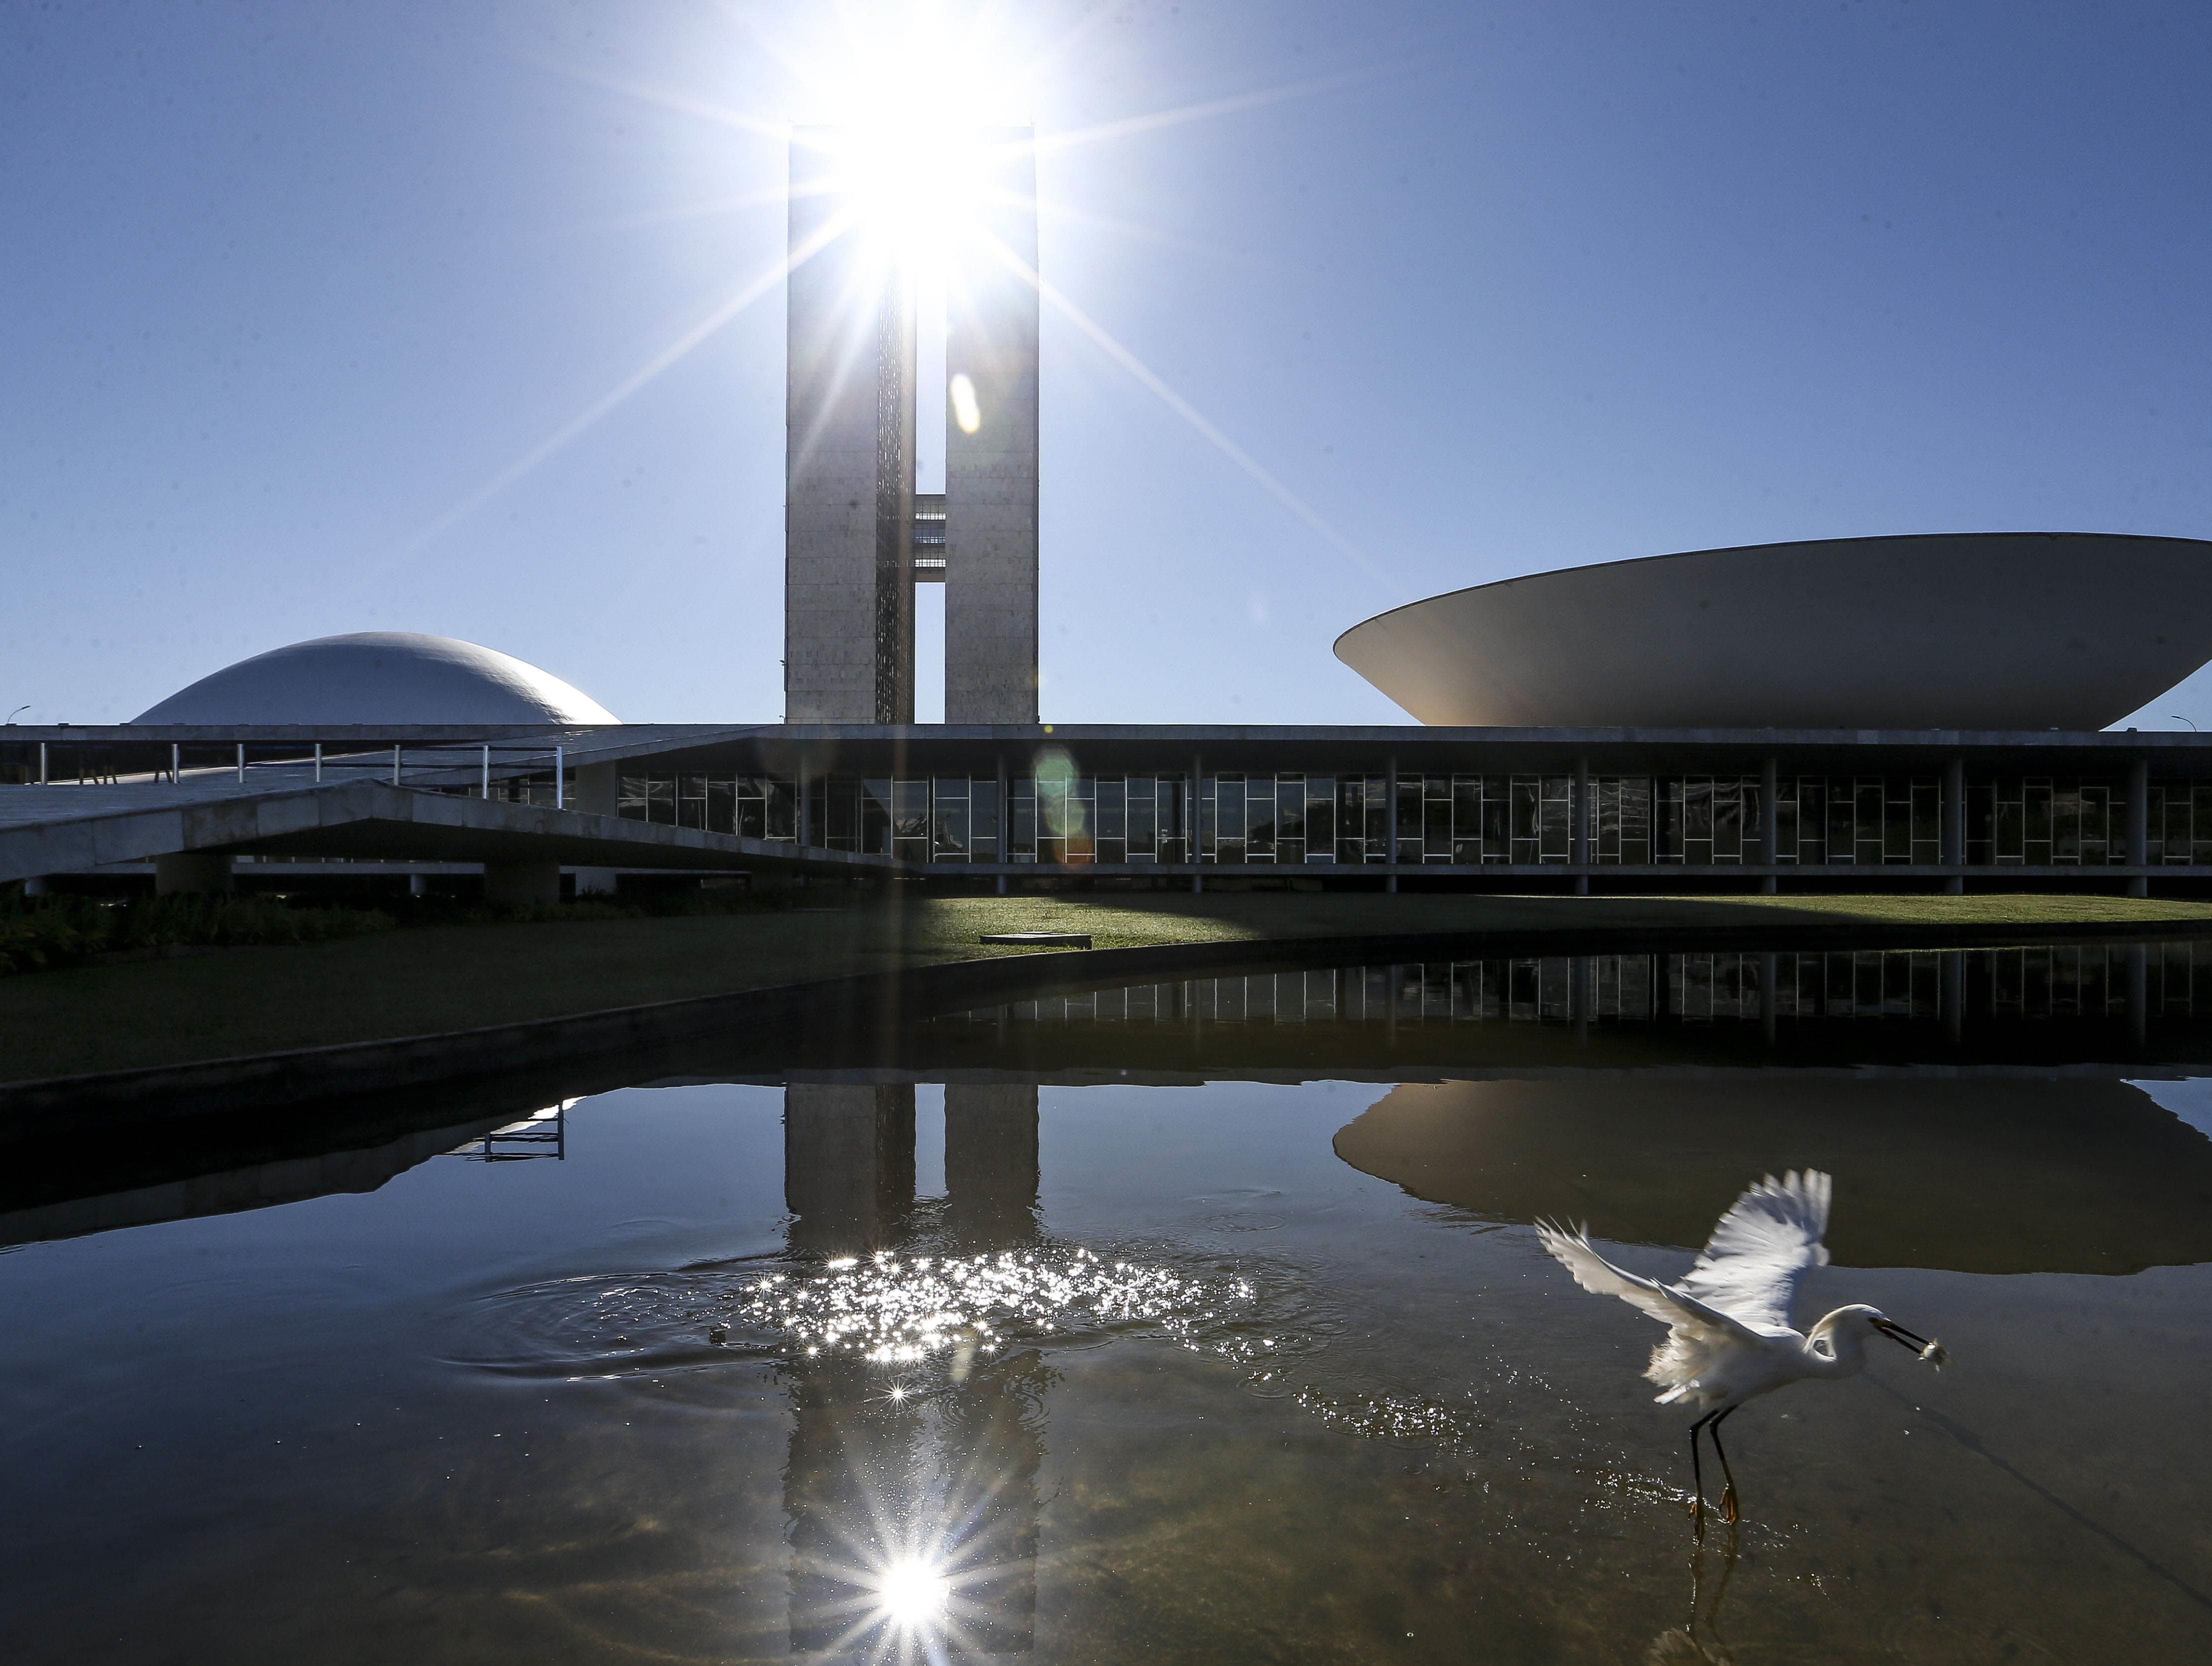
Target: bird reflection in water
910,1492
1699,1642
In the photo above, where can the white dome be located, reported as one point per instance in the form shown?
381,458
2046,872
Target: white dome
376,677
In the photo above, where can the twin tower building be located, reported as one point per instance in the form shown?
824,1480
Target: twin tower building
857,537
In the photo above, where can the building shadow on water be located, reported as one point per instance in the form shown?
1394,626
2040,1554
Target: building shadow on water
910,1492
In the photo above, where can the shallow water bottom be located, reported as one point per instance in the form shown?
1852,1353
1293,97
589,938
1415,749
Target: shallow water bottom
1225,1398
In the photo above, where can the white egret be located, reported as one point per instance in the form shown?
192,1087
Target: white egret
1729,1334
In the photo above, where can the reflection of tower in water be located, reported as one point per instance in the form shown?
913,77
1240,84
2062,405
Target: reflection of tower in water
913,1485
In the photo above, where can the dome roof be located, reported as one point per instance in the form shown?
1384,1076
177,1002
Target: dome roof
1974,630
380,677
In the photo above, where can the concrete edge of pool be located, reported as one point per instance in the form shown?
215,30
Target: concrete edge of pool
44,1108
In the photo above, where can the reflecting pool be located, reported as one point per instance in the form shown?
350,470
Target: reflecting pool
1193,1322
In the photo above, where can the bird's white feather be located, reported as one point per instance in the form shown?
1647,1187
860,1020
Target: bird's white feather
1760,1249
1698,1334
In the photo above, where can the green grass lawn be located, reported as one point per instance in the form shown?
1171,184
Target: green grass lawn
215,1003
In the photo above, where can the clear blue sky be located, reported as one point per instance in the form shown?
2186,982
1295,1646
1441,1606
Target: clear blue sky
1506,288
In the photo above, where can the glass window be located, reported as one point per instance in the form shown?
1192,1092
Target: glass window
948,818
1435,819
1466,818
1175,818
1259,820
782,800
1555,826
691,801
983,821
1321,818
1143,800
1112,808
1409,818
876,818
1525,790
1228,843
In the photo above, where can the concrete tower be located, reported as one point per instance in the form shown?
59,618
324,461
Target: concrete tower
849,507
848,493
991,447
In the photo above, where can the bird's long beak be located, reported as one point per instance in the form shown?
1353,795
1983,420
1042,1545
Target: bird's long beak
1897,1334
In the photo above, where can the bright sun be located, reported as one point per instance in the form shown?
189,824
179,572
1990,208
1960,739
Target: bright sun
908,100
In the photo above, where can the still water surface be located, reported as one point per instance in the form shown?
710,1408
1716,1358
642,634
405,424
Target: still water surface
994,1347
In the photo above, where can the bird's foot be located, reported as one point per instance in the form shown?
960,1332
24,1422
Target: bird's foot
1698,1516
1728,1503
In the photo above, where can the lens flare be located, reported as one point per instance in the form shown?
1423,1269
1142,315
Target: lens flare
965,410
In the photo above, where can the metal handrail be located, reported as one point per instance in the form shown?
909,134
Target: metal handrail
445,759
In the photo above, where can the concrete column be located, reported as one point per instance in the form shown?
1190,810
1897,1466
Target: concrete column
2139,824
1390,826
598,793
848,1165
1954,824
1579,847
522,884
1192,818
1770,820
1770,1002
183,871
36,885
991,1162
2138,993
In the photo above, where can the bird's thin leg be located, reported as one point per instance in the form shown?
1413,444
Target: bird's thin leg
1697,1474
1727,1491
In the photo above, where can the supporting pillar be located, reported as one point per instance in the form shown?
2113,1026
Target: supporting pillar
598,793
1390,827
35,886
2139,992
184,872
1770,998
418,884
1952,996
522,884
1954,825
1578,848
1769,821
1195,823
848,1165
2139,825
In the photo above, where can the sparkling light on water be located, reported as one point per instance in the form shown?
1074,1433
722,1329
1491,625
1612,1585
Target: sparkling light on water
895,1310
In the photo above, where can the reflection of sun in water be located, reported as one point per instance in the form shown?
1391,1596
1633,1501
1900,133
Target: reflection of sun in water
897,1312
912,1594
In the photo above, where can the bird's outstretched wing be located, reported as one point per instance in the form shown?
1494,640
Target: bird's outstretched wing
1761,1247
1670,1304
1699,1336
